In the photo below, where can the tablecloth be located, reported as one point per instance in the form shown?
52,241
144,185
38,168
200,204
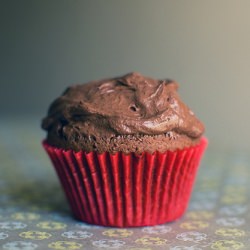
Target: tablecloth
34,213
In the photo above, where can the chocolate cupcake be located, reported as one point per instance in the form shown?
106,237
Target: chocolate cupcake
126,150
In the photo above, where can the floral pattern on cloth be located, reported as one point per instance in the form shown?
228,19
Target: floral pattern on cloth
34,213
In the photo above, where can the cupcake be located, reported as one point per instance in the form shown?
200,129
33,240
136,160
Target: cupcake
126,150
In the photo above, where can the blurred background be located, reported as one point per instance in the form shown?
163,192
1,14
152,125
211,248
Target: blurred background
46,45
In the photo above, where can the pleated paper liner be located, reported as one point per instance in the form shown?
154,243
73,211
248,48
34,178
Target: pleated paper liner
127,190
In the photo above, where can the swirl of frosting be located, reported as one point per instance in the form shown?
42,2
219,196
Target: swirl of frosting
131,104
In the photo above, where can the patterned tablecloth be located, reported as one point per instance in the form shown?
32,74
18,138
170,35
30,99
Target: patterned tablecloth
34,213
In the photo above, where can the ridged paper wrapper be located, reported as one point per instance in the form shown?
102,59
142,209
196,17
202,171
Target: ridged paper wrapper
127,190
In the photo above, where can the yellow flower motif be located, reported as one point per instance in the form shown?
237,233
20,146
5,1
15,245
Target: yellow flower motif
194,215
233,198
227,245
240,171
230,232
25,216
235,189
67,245
139,248
51,225
156,241
119,233
209,184
35,235
192,225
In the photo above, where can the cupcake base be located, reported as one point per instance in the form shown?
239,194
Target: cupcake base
127,190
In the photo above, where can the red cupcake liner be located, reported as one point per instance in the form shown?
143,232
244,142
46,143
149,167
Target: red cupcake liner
127,190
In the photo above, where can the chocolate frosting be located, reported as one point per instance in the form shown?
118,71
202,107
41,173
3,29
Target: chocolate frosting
129,105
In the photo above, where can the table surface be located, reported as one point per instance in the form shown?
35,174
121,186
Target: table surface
34,213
